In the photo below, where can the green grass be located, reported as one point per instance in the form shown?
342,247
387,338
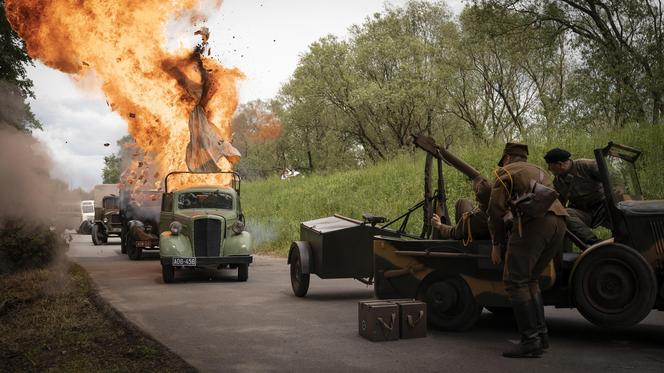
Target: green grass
275,208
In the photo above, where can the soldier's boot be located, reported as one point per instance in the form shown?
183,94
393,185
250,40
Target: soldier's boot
543,331
526,321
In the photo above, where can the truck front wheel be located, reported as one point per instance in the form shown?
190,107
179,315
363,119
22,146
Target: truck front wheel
96,235
167,273
134,253
242,272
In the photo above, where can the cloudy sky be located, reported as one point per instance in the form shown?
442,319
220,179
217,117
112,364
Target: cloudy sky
263,38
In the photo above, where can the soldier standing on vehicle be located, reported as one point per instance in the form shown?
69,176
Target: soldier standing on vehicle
531,244
471,222
580,187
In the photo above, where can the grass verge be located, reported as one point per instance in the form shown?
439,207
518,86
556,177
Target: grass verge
52,320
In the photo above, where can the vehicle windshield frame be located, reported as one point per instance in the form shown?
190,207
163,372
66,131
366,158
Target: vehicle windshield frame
622,177
89,206
179,200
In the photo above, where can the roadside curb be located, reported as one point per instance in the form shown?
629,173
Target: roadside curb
118,317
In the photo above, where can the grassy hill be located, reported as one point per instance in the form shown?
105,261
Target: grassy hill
275,207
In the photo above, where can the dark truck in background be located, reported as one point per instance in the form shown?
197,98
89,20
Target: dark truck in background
139,214
106,221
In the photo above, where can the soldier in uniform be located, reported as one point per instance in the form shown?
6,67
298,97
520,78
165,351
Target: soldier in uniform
529,245
580,187
471,221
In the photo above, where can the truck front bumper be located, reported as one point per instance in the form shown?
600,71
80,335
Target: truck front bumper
214,261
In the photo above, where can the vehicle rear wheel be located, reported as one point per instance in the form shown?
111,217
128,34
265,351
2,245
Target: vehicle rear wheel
299,280
94,233
451,305
613,286
133,252
167,273
242,272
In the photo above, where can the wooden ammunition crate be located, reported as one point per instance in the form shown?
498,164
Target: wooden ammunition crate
412,319
378,320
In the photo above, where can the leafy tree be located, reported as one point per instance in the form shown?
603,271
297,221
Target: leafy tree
622,47
15,86
111,171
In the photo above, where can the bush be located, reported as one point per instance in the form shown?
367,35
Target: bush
26,245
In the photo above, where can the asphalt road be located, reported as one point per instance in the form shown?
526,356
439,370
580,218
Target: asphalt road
218,324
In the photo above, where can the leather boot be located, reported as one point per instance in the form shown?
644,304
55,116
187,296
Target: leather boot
542,330
526,321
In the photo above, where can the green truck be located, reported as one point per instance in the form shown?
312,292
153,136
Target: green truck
203,227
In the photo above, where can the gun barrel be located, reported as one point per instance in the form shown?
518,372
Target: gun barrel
457,163
429,145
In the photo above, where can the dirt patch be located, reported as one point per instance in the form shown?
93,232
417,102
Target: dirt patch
52,320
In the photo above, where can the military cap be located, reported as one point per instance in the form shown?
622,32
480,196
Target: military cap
513,148
556,155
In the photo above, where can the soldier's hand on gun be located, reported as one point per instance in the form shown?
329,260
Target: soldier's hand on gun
496,254
435,221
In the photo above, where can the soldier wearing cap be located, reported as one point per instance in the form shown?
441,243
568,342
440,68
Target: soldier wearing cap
580,187
529,247
471,222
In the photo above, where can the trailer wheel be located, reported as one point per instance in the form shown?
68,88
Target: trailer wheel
613,286
242,272
167,273
134,253
299,280
451,305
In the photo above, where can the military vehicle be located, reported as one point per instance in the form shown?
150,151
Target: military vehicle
107,220
203,227
139,214
614,283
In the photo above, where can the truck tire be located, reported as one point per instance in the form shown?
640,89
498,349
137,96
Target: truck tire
167,273
451,304
134,253
299,280
94,233
614,286
242,272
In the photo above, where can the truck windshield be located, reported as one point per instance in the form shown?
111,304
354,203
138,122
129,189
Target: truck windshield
87,209
622,177
205,200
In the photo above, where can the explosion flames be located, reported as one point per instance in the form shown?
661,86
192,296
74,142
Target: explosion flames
168,99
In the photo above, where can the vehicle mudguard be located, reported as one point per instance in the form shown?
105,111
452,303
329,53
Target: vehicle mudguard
174,245
305,255
238,244
601,246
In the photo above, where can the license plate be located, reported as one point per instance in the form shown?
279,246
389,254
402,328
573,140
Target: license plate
144,244
184,262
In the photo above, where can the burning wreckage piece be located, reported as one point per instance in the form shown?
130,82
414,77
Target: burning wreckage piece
206,144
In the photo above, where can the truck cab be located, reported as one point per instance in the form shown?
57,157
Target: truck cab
203,227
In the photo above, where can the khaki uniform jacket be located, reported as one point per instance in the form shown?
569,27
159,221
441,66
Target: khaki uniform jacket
512,181
582,186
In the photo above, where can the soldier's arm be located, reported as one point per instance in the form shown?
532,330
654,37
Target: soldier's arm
498,206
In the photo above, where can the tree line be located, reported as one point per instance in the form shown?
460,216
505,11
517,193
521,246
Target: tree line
501,71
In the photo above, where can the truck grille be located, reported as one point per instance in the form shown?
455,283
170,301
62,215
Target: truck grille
207,237
115,219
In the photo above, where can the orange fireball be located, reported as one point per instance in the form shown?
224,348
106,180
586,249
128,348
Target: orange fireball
123,42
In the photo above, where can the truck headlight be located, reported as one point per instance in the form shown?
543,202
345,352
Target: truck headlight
238,227
175,227
105,220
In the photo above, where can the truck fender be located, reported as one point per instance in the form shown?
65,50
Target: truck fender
600,246
305,254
